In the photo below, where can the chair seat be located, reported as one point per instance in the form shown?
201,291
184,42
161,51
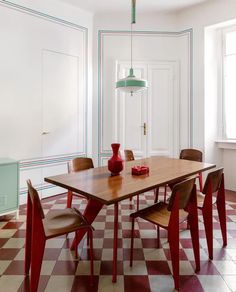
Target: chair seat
63,221
158,214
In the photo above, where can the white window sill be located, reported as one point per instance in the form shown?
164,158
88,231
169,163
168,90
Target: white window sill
226,144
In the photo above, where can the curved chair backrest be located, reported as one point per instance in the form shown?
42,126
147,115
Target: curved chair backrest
191,154
80,163
129,155
184,189
215,178
35,199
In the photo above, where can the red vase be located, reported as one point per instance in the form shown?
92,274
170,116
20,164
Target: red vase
115,163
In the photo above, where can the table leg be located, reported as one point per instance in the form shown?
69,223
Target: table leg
115,244
90,213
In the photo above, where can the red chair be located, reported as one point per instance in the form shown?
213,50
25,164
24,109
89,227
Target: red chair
40,228
182,206
77,164
214,184
187,154
129,156
193,155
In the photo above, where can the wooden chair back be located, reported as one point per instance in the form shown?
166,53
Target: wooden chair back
191,154
184,190
80,163
214,178
129,155
35,201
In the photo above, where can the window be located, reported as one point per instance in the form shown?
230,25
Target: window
229,83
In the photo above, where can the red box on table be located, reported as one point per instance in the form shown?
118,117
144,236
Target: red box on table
139,170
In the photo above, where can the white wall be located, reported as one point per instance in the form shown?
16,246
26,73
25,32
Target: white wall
30,29
200,17
197,17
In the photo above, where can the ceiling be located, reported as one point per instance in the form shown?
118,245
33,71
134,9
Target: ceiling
99,6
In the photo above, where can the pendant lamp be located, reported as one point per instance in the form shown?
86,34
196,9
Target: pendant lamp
131,84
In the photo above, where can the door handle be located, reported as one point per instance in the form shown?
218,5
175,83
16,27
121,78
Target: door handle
45,133
144,129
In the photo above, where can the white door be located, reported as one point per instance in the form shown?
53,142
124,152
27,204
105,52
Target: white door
60,110
148,122
131,114
60,104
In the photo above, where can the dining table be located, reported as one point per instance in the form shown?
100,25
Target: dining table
101,188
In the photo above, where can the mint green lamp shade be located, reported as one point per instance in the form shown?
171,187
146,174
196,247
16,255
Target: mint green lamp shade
131,84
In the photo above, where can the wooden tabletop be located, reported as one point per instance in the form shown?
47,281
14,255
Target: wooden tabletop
97,182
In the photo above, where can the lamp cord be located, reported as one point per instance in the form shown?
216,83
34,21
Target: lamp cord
131,46
133,20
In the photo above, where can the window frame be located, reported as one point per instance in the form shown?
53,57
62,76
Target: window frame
223,54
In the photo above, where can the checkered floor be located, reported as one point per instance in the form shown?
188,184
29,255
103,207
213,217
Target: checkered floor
151,269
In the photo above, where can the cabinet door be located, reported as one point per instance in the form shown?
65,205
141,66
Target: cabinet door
8,187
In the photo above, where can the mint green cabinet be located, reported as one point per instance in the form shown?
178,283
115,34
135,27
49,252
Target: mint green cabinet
9,186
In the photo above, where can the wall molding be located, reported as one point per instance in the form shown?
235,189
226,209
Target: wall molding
101,35
83,29
44,162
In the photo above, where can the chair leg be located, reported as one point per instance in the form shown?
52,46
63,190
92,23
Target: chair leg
92,209
132,244
193,224
90,234
200,181
165,193
156,193
220,203
207,218
38,245
69,199
173,236
76,245
158,236
28,239
137,202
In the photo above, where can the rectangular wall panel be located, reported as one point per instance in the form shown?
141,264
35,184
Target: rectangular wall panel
60,78
171,120
163,115
43,81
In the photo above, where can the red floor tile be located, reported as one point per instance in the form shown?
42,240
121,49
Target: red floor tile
190,283
13,225
137,254
8,253
15,268
108,243
158,268
83,284
106,268
136,283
